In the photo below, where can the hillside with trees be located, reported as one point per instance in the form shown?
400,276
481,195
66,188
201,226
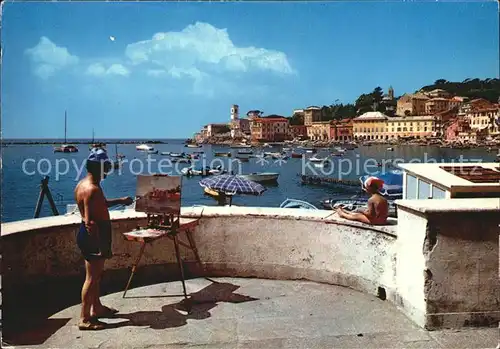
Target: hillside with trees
473,88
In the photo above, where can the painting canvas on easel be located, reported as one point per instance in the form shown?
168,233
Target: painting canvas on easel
157,194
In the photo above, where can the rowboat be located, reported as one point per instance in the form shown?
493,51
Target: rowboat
227,155
318,160
144,147
262,177
294,203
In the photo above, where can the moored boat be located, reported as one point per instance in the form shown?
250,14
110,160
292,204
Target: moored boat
144,147
193,145
223,154
245,151
152,151
297,155
262,177
318,160
165,153
66,148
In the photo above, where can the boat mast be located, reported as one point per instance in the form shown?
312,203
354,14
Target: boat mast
65,121
92,135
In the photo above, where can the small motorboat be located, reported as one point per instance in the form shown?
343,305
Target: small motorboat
262,177
318,160
152,151
242,145
181,160
193,146
165,153
245,152
227,155
287,149
243,159
177,155
390,149
144,147
297,155
66,148
293,203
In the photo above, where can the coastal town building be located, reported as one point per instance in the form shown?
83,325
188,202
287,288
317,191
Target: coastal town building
212,129
482,115
456,127
411,126
297,131
269,129
411,104
312,114
436,105
389,102
319,130
341,130
438,93
370,126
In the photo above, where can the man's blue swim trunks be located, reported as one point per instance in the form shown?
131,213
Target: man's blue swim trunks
98,246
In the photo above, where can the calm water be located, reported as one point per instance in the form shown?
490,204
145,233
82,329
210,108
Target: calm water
20,191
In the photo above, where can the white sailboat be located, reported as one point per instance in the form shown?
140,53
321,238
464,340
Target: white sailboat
66,148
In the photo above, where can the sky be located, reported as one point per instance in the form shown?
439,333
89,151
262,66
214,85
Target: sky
163,70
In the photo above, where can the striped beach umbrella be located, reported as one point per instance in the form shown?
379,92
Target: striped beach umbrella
230,185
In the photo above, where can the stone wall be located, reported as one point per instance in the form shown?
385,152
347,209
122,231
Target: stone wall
448,262
439,264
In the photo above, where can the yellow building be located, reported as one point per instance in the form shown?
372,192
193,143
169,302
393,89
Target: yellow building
319,131
411,126
370,125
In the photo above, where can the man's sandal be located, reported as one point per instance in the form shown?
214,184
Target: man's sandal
91,325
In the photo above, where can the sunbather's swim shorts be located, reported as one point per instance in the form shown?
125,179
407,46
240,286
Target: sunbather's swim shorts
98,246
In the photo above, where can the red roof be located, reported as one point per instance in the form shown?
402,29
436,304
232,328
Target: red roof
270,120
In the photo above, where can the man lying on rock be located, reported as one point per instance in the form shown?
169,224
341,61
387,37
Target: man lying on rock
378,208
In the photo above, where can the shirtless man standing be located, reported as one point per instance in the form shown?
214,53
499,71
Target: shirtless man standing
94,237
378,208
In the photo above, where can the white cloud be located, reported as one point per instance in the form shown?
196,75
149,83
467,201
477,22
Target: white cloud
156,72
97,69
202,46
48,58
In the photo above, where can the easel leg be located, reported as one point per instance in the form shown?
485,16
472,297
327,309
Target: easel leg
193,247
179,261
134,267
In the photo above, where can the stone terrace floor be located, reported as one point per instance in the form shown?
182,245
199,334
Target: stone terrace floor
250,313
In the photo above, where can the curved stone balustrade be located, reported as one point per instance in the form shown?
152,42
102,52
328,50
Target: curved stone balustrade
393,261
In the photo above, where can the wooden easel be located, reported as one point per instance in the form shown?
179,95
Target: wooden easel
44,190
165,226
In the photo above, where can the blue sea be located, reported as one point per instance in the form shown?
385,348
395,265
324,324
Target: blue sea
20,187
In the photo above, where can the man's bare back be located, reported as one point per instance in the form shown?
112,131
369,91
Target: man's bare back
91,201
